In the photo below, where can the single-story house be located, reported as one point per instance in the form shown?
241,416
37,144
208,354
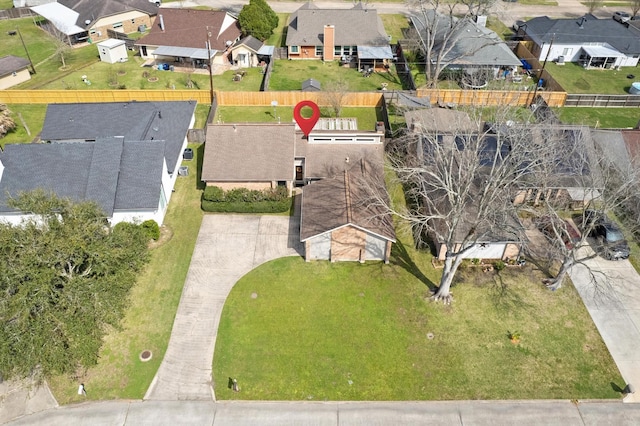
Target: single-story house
82,21
123,155
190,36
592,42
467,45
13,70
250,52
337,223
441,120
265,155
353,36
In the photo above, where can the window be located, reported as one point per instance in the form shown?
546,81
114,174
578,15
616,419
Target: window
117,25
133,21
567,51
337,50
92,31
319,50
294,49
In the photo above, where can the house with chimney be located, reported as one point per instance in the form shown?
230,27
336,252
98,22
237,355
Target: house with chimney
189,37
355,36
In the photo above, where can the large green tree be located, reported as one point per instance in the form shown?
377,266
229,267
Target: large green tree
64,280
257,19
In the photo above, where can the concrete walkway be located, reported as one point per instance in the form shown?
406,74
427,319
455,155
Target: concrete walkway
611,292
490,413
228,246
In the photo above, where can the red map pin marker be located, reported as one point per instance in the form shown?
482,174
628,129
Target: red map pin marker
306,124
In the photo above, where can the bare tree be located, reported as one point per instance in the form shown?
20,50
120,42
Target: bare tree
575,174
457,173
592,5
442,32
334,94
635,7
7,123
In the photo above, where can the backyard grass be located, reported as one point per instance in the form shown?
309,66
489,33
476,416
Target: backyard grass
6,4
347,331
153,304
289,75
367,117
608,118
395,25
576,79
33,116
279,36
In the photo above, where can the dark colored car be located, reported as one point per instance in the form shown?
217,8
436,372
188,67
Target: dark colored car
608,234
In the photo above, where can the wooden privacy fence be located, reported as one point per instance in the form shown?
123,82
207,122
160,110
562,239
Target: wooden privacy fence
491,97
372,99
550,84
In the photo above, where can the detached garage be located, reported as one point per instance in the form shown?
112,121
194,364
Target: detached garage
337,226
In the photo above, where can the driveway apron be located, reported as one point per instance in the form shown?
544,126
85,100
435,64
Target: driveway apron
614,306
228,246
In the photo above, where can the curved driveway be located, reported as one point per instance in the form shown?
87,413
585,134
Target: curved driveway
228,246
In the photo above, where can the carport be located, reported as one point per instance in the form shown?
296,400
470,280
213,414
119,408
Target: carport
600,56
374,55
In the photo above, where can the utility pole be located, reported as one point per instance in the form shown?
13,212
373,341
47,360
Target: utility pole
544,64
210,65
33,69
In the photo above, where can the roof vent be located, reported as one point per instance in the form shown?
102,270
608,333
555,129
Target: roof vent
87,22
582,21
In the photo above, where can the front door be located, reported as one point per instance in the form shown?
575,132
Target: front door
299,173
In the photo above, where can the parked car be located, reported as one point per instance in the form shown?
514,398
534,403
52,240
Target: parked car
569,233
612,244
621,17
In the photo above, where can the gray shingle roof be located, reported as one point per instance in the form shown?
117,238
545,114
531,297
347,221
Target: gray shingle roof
341,200
10,64
117,175
90,10
472,44
136,121
355,26
590,30
251,42
249,152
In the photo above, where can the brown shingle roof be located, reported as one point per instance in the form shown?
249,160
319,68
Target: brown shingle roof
341,200
189,28
249,152
10,63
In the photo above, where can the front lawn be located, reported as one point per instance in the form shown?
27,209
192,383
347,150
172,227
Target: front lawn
347,331
576,79
153,304
289,75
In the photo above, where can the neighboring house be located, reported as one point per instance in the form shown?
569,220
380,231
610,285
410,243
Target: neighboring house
125,156
13,70
338,224
250,52
29,3
82,21
182,35
441,120
592,42
354,36
465,45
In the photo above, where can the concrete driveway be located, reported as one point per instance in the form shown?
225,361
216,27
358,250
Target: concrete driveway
228,246
611,292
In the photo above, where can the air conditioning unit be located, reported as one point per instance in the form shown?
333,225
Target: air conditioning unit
183,171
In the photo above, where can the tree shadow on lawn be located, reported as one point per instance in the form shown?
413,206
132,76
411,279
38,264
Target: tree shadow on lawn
401,257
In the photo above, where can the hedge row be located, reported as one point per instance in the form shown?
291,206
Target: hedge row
241,200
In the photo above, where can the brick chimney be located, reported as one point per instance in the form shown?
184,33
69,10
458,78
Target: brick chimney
329,42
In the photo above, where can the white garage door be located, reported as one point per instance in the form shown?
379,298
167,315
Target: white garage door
320,247
374,248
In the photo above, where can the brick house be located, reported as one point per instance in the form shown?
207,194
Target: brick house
83,21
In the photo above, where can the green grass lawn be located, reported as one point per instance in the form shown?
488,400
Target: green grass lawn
576,79
153,304
6,4
279,36
33,116
394,25
610,118
345,331
367,117
289,75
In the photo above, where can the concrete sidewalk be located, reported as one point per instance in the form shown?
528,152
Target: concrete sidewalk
611,292
228,246
490,413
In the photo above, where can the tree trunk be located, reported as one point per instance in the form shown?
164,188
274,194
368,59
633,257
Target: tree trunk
443,292
556,282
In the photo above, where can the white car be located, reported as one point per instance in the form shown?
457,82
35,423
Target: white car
621,17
